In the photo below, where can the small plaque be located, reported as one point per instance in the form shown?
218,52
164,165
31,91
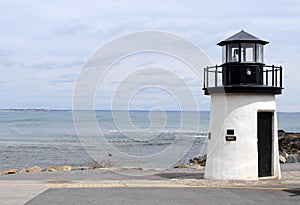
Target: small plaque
230,138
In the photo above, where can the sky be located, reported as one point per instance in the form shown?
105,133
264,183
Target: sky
44,46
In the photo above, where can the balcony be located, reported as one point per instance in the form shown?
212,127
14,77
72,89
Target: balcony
243,78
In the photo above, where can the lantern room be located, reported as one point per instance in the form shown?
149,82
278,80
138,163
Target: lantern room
242,47
243,69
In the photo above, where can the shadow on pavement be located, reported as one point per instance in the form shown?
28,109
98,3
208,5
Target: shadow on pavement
293,192
181,175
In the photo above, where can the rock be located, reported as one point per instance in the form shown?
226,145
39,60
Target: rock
285,155
281,133
34,169
181,166
291,159
64,168
81,168
67,168
198,166
59,169
198,160
52,169
297,154
289,143
282,159
23,170
294,150
195,161
31,169
297,145
10,171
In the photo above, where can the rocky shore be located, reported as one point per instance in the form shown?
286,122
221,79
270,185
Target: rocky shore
92,165
289,147
289,152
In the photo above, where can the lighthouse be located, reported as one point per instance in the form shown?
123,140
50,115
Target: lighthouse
242,138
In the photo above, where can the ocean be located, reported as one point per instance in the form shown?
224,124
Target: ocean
148,140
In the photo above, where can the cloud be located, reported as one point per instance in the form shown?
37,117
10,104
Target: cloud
2,80
44,44
72,27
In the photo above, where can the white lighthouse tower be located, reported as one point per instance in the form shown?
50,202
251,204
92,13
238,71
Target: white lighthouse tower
242,140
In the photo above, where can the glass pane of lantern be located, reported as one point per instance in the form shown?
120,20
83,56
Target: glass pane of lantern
224,54
233,52
259,53
248,52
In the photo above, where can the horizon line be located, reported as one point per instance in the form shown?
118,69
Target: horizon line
133,110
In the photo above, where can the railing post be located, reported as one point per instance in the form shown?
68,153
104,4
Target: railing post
204,80
216,76
280,76
207,84
276,77
273,75
267,77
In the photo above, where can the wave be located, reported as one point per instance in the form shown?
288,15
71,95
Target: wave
198,133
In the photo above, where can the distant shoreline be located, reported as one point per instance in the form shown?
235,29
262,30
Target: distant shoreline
66,110
70,110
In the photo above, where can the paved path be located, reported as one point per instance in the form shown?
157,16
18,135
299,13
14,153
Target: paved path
163,195
169,187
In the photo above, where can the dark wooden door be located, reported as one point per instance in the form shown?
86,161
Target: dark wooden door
265,136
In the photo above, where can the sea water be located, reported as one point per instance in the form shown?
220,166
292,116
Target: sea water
49,138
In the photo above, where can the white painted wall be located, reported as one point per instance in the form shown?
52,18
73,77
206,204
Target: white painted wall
238,159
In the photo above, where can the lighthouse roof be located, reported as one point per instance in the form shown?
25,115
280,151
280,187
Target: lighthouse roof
242,37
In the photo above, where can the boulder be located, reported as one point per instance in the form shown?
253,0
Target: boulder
289,144
181,166
297,145
10,171
198,166
284,154
34,169
297,154
52,169
198,160
67,168
282,159
64,168
288,137
23,170
291,159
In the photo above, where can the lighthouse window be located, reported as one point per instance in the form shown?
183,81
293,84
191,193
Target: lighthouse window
224,60
233,54
259,53
230,132
248,52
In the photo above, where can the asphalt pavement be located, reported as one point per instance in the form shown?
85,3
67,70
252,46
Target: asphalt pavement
163,195
174,186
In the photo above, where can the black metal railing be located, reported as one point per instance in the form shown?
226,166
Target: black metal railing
265,75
